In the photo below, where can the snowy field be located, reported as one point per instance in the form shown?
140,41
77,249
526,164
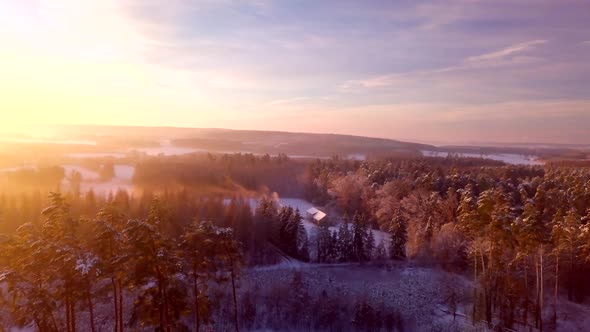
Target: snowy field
513,159
417,293
420,294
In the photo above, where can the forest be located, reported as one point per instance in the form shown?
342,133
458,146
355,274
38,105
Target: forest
188,257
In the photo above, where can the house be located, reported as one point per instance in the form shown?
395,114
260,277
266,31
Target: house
316,216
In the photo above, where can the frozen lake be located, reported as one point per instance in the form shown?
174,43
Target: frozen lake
514,159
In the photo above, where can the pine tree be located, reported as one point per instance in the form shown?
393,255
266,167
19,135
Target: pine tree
359,231
26,266
345,242
380,253
229,255
110,248
60,233
198,250
161,298
369,245
399,236
324,241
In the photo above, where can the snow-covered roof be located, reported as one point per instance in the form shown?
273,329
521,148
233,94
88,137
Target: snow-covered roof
313,211
316,214
319,216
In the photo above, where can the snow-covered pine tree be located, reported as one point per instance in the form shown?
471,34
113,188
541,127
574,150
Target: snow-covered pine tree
359,234
399,236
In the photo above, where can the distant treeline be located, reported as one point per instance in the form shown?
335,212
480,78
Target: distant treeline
544,153
232,172
42,178
296,144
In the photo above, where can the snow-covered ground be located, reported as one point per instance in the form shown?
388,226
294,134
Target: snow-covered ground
296,203
514,159
417,293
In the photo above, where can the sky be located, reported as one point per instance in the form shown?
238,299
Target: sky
459,71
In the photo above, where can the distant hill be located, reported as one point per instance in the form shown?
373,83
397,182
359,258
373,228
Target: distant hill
252,141
110,138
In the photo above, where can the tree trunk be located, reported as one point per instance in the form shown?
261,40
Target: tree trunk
474,287
537,293
120,314
233,285
570,282
526,293
196,291
73,315
542,283
68,313
166,308
53,320
490,286
116,318
555,290
161,304
90,309
39,328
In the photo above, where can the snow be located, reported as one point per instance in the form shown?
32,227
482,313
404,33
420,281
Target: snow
416,292
91,180
514,159
319,216
313,211
295,203
22,329
85,264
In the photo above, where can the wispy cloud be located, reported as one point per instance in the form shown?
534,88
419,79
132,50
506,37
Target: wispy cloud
285,101
500,55
508,56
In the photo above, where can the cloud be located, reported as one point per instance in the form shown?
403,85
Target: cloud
380,81
285,101
505,57
504,53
